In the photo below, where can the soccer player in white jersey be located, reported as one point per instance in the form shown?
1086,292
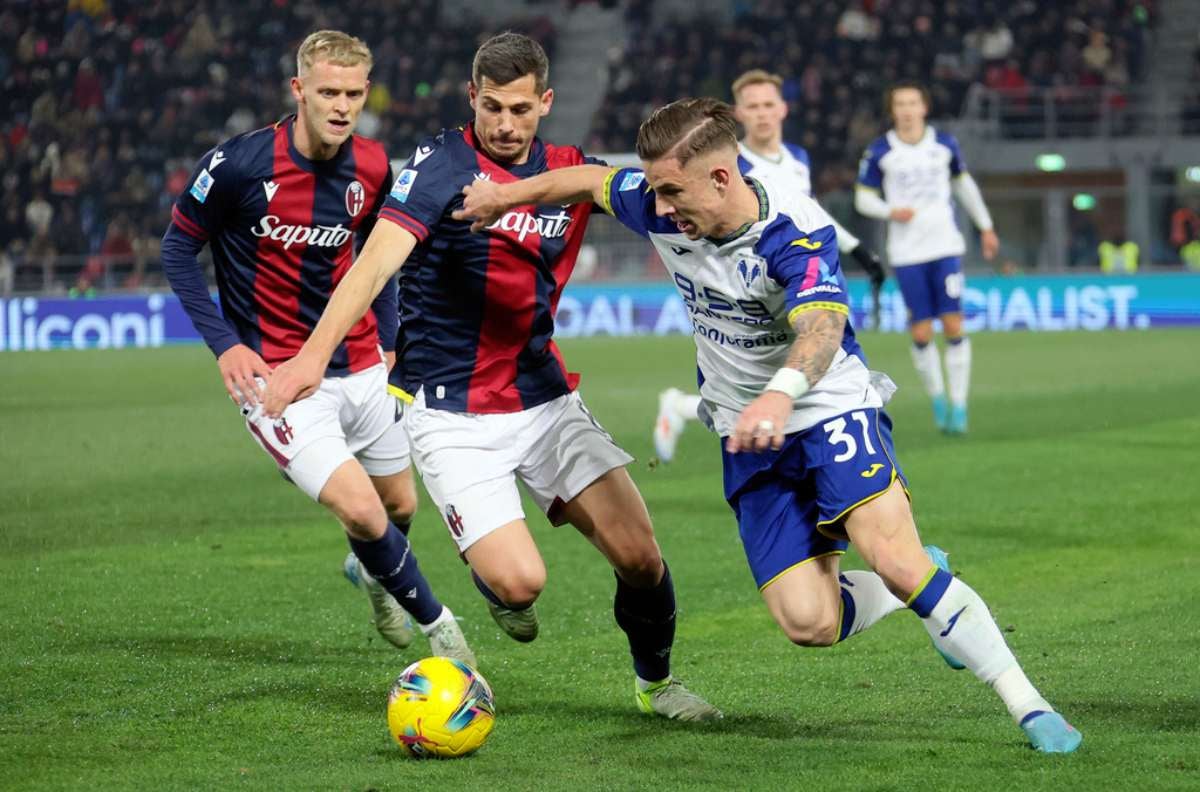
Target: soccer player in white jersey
809,465
918,168
765,155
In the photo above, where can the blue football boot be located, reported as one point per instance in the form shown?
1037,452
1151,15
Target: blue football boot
1049,732
957,423
941,413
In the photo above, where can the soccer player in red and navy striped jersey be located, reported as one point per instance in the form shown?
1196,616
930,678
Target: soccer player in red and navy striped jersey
492,398
280,208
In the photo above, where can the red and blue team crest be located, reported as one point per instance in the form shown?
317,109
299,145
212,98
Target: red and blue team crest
356,196
455,521
283,431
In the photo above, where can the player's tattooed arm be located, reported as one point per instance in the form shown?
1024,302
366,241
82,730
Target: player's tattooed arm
818,337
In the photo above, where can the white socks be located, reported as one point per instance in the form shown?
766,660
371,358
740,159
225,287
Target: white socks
960,625
869,601
445,616
929,367
688,405
958,370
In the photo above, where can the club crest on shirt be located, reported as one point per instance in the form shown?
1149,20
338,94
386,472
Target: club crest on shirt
356,196
455,521
750,269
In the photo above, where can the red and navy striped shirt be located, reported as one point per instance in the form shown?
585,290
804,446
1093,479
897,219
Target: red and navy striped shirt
281,228
477,310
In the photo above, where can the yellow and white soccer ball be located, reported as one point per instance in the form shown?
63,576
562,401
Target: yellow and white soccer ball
440,707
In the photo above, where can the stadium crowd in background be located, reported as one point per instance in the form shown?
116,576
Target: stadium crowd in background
837,58
105,103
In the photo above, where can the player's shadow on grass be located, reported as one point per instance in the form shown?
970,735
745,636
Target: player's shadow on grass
633,725
1169,715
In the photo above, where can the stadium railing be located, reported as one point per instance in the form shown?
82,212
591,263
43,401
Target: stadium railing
1075,111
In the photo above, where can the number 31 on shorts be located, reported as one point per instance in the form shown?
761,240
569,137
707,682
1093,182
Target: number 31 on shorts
838,436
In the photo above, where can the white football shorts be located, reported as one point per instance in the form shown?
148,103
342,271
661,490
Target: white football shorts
470,462
351,417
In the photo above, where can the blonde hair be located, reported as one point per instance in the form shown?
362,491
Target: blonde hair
756,77
334,46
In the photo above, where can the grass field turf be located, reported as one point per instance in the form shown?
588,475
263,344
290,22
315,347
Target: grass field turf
173,616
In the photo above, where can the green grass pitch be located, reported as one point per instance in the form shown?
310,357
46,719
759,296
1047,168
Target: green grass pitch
173,615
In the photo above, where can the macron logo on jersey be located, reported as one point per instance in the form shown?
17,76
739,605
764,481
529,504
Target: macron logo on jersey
217,158
270,188
320,236
523,224
420,154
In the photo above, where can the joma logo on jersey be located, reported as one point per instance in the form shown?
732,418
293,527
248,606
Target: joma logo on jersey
523,224
318,236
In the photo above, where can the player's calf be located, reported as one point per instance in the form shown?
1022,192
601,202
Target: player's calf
885,535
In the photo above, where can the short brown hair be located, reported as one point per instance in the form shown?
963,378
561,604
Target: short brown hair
510,56
756,77
334,46
687,128
904,85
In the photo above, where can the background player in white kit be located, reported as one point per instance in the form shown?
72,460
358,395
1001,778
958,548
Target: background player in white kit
280,207
917,168
807,450
765,155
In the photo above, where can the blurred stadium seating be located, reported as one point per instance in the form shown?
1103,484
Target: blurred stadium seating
108,103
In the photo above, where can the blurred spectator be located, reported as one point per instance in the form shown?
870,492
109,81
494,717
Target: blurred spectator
1185,234
104,103
836,59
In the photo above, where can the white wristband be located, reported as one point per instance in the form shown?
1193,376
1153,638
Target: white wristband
789,381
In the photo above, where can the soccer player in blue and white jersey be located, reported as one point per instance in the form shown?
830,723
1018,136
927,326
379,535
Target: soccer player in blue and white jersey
765,155
492,400
917,168
280,207
809,465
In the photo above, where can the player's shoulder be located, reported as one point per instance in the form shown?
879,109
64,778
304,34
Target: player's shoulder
800,227
369,148
564,156
447,148
944,138
799,153
878,147
242,151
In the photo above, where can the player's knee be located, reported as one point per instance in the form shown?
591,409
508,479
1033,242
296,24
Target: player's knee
519,588
363,518
639,563
810,626
401,507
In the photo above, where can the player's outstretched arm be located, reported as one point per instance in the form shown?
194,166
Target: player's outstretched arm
382,256
762,423
484,202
